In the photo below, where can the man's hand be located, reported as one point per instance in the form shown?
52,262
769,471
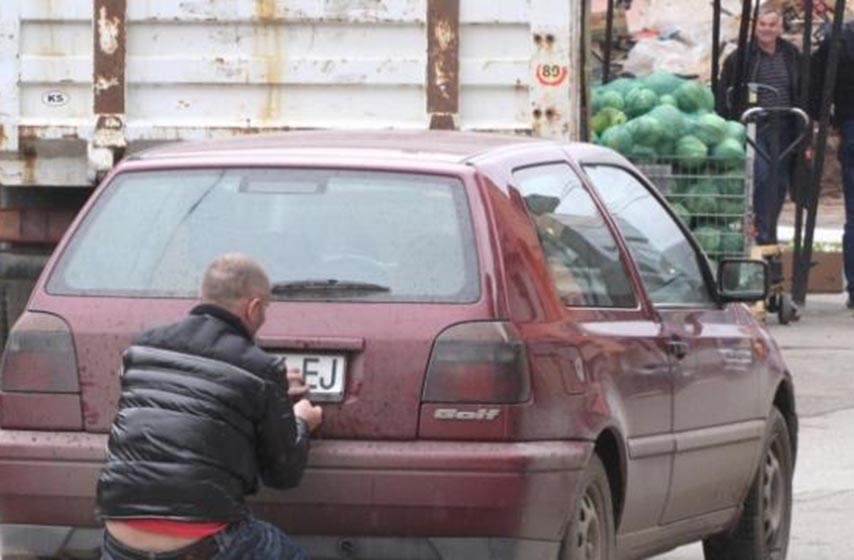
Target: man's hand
312,414
297,389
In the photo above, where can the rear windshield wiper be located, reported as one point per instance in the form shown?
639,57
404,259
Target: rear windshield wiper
325,286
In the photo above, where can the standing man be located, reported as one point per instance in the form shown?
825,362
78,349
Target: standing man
773,64
203,414
843,119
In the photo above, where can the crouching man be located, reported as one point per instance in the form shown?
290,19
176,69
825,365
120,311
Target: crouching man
203,414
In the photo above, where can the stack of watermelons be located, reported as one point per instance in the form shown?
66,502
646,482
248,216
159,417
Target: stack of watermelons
664,119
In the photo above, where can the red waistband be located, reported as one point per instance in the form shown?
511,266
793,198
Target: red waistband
187,529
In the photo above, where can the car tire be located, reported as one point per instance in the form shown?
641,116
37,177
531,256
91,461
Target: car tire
590,531
762,532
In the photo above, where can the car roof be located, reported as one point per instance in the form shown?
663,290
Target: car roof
436,146
592,154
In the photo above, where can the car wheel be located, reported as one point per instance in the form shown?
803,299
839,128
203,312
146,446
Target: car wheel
762,532
590,533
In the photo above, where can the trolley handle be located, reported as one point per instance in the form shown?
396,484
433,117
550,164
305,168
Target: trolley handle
758,113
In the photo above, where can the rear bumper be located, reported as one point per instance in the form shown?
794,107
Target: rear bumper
413,489
42,540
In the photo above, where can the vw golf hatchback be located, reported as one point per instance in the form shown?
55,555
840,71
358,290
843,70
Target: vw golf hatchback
520,351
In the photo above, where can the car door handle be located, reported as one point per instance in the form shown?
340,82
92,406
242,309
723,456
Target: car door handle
677,348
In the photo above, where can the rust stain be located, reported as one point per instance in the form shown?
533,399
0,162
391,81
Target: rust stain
265,10
29,176
108,32
443,67
3,138
103,83
538,126
110,40
268,48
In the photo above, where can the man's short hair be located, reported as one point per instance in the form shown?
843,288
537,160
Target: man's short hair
770,7
233,277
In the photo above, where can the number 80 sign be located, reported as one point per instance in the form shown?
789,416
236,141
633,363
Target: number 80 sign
551,74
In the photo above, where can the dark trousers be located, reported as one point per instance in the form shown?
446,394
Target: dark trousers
846,156
768,199
250,539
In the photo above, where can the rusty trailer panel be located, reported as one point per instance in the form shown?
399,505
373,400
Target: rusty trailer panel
85,81
443,63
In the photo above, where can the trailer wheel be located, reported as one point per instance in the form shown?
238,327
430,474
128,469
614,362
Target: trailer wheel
787,310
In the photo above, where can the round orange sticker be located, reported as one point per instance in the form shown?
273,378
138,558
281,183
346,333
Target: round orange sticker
552,74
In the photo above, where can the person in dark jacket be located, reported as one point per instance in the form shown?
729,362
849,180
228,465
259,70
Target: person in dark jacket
843,119
773,63
203,414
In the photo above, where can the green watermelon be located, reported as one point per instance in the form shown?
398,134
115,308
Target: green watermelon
672,121
736,131
691,151
668,100
618,138
606,118
708,237
642,154
682,213
731,208
731,243
710,128
665,147
707,99
702,198
612,99
690,97
621,85
730,153
662,83
646,130
640,101
731,185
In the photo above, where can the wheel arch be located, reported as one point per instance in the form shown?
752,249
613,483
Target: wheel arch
784,401
610,448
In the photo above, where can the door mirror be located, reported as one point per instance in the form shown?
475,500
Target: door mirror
742,280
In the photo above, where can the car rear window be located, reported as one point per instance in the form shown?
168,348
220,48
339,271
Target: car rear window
320,234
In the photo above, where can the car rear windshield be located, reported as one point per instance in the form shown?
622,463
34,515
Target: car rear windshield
320,234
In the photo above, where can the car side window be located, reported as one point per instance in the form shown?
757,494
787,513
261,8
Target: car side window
668,264
582,253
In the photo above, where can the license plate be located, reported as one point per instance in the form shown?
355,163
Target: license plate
323,373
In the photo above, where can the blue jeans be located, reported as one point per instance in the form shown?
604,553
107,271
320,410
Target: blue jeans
249,539
768,199
846,157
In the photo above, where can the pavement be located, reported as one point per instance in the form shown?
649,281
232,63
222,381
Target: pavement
819,350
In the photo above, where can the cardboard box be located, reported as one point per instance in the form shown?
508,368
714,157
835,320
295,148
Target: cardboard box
826,275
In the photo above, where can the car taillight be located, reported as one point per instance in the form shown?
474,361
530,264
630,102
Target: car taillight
38,375
483,362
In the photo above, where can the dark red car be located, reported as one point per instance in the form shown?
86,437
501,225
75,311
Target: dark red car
520,350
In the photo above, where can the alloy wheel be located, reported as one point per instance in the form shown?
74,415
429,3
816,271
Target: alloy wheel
588,541
773,496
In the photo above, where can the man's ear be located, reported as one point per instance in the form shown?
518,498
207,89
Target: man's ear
252,306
